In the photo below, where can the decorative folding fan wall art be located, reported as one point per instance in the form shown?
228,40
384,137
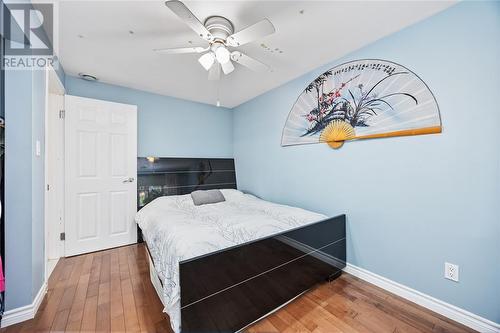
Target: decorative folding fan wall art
362,99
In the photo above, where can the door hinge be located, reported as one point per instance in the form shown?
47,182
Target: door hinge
62,114
48,187
62,236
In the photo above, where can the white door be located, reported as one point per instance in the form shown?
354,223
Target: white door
101,171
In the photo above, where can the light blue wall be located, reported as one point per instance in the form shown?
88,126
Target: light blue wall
412,202
167,126
18,187
38,179
24,186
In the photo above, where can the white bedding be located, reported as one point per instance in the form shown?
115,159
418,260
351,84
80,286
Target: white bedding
175,230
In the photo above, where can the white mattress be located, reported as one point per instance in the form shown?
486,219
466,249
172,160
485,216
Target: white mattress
175,230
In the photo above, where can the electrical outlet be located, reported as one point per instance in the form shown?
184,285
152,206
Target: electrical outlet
451,271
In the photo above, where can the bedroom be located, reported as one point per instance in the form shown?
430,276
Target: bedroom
351,193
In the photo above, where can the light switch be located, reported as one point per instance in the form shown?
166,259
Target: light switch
38,151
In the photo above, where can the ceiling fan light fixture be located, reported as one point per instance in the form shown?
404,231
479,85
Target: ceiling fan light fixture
222,55
219,32
207,60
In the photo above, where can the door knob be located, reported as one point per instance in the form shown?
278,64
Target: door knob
129,180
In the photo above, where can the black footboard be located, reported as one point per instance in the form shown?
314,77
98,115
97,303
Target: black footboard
228,290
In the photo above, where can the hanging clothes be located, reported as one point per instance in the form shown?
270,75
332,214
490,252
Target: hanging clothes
2,278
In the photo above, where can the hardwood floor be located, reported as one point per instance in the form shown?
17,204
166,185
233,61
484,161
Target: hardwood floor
111,291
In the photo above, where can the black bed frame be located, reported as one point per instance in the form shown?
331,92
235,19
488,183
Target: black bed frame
227,290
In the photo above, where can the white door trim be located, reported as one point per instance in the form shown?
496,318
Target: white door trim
52,85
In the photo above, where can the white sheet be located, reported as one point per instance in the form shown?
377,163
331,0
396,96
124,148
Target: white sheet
175,230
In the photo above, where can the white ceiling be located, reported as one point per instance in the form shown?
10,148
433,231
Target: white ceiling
324,32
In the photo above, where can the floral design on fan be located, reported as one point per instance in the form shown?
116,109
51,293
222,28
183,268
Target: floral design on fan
354,106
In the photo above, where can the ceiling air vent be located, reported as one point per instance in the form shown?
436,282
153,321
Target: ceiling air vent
87,77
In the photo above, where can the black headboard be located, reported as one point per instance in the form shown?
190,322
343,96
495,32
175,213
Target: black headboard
175,176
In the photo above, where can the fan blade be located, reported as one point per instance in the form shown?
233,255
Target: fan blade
251,63
214,72
180,50
251,33
189,18
227,67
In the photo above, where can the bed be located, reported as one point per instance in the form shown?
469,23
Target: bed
220,267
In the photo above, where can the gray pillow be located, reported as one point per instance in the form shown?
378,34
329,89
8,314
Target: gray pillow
207,197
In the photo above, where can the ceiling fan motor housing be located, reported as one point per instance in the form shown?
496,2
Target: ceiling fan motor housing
220,27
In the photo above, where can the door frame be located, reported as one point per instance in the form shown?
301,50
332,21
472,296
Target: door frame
53,85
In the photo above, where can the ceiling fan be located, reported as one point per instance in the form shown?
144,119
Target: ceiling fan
219,32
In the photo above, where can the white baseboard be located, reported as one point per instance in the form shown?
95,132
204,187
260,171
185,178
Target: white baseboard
457,314
26,312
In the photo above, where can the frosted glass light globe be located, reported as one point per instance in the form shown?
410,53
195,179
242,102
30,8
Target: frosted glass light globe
222,54
207,60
